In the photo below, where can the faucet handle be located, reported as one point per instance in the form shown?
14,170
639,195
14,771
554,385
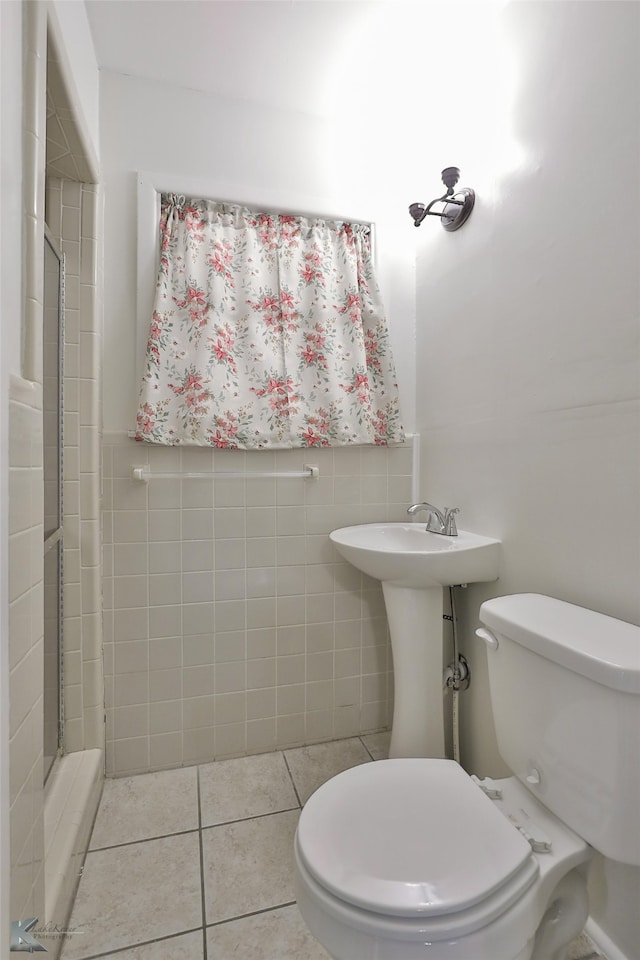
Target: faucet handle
450,528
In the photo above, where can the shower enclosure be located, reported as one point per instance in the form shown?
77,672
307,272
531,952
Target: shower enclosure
52,406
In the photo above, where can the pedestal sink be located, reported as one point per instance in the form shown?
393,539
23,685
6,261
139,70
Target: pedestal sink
414,565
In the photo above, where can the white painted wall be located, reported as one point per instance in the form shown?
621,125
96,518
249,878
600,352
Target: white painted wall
245,152
528,347
70,27
11,195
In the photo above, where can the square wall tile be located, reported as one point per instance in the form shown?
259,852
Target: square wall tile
243,629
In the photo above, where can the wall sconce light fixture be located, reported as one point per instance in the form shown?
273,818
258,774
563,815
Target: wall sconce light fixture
457,205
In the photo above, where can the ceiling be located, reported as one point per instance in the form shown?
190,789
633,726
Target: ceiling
283,53
400,72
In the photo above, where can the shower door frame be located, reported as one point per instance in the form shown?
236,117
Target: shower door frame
55,538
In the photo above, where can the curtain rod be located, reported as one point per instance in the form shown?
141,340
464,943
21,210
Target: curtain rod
310,471
259,209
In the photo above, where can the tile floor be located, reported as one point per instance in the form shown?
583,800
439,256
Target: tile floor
196,863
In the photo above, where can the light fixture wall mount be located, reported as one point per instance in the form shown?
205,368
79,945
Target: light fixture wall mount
458,204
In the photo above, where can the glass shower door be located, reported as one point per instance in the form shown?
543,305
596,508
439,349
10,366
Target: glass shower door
53,344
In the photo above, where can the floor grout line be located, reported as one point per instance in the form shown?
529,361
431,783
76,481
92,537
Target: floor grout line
366,748
130,843
256,816
252,913
204,826
113,951
201,849
293,782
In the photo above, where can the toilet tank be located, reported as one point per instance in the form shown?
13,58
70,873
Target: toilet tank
565,692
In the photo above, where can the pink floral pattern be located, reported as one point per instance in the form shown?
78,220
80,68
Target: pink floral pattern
268,332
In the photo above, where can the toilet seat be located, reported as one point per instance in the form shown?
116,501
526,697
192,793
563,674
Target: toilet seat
455,860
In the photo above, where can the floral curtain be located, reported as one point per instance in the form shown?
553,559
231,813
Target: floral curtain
268,332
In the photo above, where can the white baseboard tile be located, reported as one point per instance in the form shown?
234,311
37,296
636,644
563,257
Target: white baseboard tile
24,391
71,802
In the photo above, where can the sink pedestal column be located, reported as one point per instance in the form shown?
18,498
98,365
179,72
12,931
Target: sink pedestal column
415,617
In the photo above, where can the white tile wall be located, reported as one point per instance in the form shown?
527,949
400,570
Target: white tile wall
231,625
26,648
26,502
82,588
72,211
72,796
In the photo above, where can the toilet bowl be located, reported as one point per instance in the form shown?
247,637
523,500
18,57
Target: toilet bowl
413,859
409,859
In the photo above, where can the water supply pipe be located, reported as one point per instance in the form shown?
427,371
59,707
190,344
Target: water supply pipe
457,677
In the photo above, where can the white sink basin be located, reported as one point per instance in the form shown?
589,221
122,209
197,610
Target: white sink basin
414,566
406,555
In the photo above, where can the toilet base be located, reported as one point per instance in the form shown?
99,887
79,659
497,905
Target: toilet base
522,933
564,918
348,933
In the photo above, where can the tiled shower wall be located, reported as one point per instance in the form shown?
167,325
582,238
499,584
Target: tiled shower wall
231,624
26,591
72,212
26,648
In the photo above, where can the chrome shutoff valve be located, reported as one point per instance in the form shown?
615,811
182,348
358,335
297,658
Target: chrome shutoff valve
458,676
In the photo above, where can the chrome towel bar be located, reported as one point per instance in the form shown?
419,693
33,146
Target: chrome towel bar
310,471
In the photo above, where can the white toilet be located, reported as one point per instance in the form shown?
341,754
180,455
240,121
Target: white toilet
413,859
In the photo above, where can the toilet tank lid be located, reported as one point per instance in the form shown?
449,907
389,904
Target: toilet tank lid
599,647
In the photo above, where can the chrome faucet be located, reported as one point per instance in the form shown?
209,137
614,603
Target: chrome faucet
438,522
